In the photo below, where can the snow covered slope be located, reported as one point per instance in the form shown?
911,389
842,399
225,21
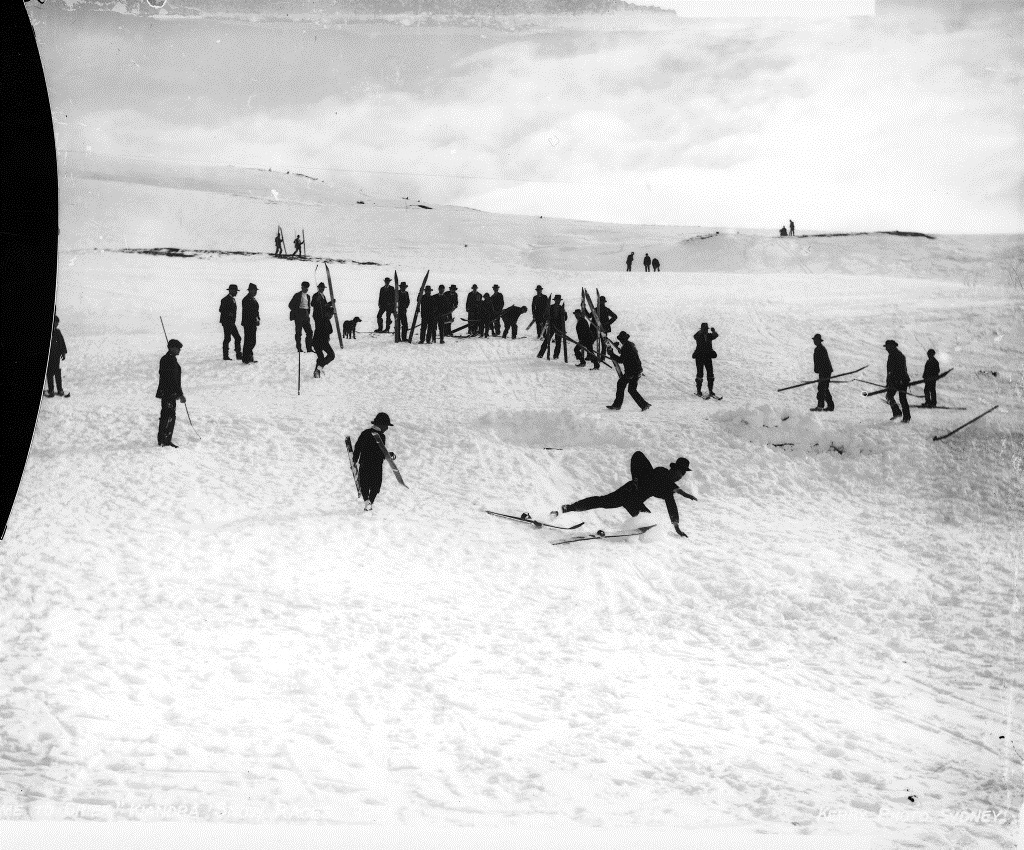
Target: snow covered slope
833,651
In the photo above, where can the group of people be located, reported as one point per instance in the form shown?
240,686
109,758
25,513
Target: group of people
279,245
790,232
651,264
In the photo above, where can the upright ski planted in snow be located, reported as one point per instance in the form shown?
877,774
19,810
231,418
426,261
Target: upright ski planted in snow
389,459
337,327
416,312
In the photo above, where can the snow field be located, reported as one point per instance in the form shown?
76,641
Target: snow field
224,623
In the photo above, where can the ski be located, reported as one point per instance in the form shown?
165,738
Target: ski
535,523
710,396
911,384
968,422
937,407
603,535
602,339
330,286
831,377
352,466
416,312
389,459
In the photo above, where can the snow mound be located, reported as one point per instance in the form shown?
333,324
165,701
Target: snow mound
792,430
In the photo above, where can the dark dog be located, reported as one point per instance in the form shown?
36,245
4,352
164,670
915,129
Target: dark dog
348,328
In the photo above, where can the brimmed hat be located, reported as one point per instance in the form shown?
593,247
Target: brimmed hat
321,285
253,287
680,463
703,326
402,285
232,288
540,288
495,286
623,336
173,343
890,343
382,420
816,338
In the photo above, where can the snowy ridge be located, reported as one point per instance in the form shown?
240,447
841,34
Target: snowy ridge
223,625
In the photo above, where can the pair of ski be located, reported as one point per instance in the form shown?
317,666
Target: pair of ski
598,535
387,456
709,396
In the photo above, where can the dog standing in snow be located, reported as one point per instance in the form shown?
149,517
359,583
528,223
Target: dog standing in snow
348,328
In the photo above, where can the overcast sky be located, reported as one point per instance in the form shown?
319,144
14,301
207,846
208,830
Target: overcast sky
909,119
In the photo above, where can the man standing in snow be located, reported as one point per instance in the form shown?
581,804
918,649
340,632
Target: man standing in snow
539,310
792,229
605,315
323,310
298,246
58,350
647,262
497,305
486,319
823,369
897,379
250,321
299,308
585,338
629,262
632,369
510,319
369,458
169,392
228,315
931,376
473,310
703,353
402,312
647,482
426,313
451,305
385,305
278,244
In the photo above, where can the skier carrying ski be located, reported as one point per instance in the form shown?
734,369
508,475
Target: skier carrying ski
585,336
632,369
647,482
897,379
930,376
228,315
278,244
823,369
169,392
58,350
703,353
369,459
298,246
323,310
298,309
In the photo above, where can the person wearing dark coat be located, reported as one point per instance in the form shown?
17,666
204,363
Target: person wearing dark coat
655,265
369,459
250,321
497,305
58,351
473,310
451,305
486,317
647,262
228,316
298,309
510,320
897,379
629,262
385,305
435,331
323,312
647,482
297,242
539,310
278,244
554,329
426,313
169,392
703,353
585,339
792,228
607,316
632,369
931,376
823,369
402,315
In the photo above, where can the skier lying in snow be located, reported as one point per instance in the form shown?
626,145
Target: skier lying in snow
647,482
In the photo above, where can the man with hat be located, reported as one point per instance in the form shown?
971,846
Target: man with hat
298,309
510,320
451,305
438,302
585,337
539,310
385,305
323,310
646,482
497,305
823,369
473,310
228,315
169,392
632,369
703,353
369,458
930,376
402,311
426,312
897,379
250,321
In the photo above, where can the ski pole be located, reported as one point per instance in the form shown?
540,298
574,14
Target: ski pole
968,422
299,353
187,414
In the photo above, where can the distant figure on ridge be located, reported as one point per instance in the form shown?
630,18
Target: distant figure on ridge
629,262
782,231
647,262
897,379
58,350
931,376
655,265
278,244
792,229
228,316
823,369
703,353
298,246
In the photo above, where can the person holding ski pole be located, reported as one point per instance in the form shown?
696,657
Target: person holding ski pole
58,351
368,456
632,369
703,353
823,369
169,392
647,482
897,380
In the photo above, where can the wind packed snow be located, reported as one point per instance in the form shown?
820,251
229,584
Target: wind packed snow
222,633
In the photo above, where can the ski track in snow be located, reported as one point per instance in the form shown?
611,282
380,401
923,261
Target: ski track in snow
222,625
